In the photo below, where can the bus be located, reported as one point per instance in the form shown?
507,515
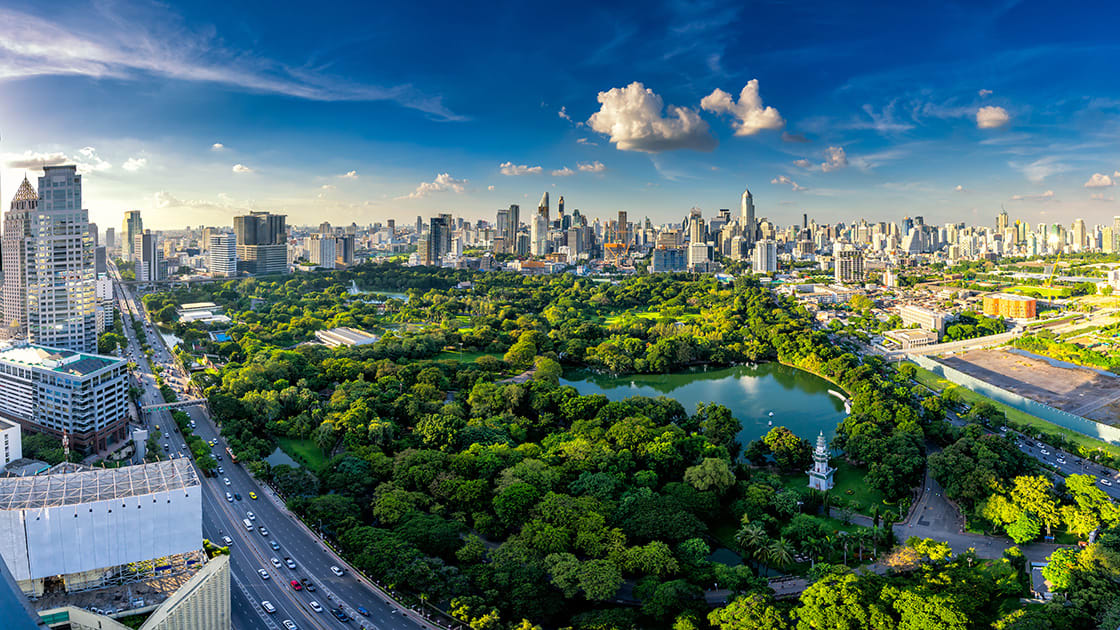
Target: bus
232,457
248,525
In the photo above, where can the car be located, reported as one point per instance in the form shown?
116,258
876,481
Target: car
308,584
335,570
227,540
218,457
291,564
290,625
225,480
268,607
220,470
157,427
1003,429
296,586
275,562
340,615
253,496
1061,460
275,545
166,447
362,611
252,517
1106,482
184,446
264,531
264,574
1044,452
314,605
237,495
229,497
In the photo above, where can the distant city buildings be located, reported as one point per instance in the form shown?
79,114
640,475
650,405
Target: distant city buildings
261,243
223,255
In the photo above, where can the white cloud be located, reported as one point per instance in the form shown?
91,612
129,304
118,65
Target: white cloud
632,118
1041,168
782,179
165,200
592,167
241,168
803,163
1045,196
134,164
443,182
984,93
563,113
563,172
90,162
490,187
587,142
835,158
349,175
750,116
139,41
33,160
509,168
327,187
991,117
217,146
959,188
1099,180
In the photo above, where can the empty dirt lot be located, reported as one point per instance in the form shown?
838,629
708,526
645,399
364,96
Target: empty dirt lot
1079,391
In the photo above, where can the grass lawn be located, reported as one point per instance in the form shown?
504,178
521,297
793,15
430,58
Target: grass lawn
306,452
618,317
1043,291
463,357
936,383
849,486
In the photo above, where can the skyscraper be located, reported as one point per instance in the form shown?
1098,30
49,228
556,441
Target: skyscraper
17,233
223,255
765,257
147,255
439,238
262,239
746,217
130,227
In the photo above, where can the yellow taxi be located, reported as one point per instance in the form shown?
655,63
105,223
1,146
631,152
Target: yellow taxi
252,495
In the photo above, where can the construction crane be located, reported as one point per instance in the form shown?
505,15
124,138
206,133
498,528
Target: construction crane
615,252
1053,270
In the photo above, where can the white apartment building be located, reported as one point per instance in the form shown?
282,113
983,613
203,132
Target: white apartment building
11,445
62,391
223,255
765,257
321,251
925,318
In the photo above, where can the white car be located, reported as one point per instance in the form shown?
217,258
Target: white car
229,497
290,625
276,562
263,530
314,605
335,570
228,540
225,480
1061,460
268,607
291,563
263,574
252,517
1105,482
1044,452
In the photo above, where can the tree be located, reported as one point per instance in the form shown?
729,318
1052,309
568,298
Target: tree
1034,494
710,474
779,553
838,603
750,538
1025,528
599,579
790,452
922,610
547,371
718,425
748,612
1060,567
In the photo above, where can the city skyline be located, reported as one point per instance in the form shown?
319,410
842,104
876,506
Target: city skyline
649,111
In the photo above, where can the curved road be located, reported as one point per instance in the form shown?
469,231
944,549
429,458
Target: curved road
250,550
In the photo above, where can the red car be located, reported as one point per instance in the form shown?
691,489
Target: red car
296,586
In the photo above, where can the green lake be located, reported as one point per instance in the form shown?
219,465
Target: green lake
757,395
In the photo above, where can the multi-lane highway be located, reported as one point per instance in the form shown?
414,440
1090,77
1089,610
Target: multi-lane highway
252,551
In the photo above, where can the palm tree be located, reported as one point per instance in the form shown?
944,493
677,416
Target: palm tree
779,553
843,540
750,538
861,538
814,547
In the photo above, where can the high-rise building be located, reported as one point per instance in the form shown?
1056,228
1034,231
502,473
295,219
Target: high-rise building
321,250
542,207
1002,221
344,249
439,238
849,266
17,235
765,257
110,238
147,256
747,218
262,239
538,233
130,227
223,255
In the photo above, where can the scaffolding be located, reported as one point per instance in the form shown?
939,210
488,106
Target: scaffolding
72,484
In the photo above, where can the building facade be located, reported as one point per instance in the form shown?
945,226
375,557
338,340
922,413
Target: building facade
130,227
1010,306
765,257
262,239
223,255
668,260
57,391
820,475
849,266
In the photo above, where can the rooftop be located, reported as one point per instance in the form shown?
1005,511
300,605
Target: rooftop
74,486
64,361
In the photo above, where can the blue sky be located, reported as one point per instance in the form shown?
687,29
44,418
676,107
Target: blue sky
364,111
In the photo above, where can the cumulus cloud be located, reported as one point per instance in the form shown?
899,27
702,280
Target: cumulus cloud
563,172
509,168
241,168
793,137
835,158
959,188
1041,168
90,162
217,146
803,163
592,167
782,179
750,115
327,187
1045,196
33,160
632,118
134,164
443,182
1099,180
490,187
984,93
166,200
349,175
991,117
563,113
